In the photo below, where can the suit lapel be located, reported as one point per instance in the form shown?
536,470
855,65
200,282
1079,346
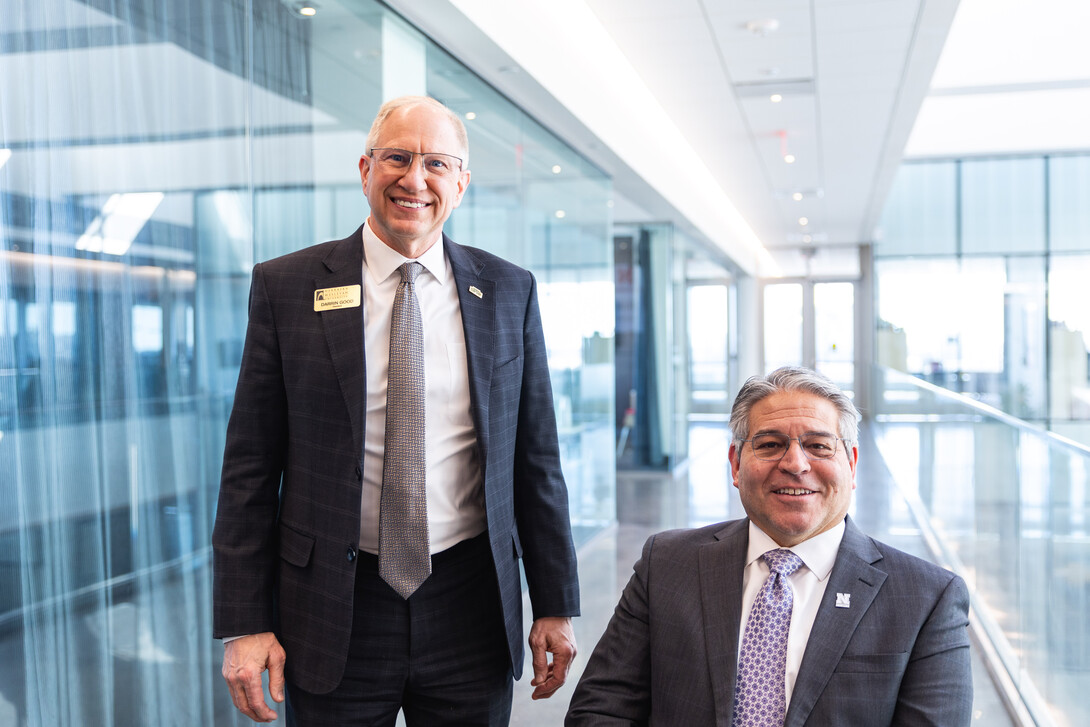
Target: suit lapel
476,296
854,576
344,328
722,565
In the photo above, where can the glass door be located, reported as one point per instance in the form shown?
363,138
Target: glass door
811,324
834,332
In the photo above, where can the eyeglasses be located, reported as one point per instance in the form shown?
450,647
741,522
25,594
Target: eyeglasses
772,447
435,165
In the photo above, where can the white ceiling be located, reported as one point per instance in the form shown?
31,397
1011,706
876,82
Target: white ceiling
1014,77
848,72
852,75
672,99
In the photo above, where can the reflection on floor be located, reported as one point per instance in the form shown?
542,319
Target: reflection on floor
701,494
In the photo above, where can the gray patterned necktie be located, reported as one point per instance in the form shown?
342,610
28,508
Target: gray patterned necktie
404,558
759,697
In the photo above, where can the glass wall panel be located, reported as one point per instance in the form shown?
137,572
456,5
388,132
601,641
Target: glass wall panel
782,325
1003,206
646,332
151,152
993,309
920,217
1069,345
1069,204
709,352
834,333
1009,508
983,336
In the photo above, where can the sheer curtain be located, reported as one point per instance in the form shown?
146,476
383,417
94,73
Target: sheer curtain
115,118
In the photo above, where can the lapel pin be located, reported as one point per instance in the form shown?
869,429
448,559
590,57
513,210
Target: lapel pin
476,291
843,600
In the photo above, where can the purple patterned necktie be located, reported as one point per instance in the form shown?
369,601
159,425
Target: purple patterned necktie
759,697
404,557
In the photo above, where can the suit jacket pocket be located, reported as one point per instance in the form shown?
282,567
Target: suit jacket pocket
872,663
295,547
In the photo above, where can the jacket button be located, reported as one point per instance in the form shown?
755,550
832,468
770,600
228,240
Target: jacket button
351,554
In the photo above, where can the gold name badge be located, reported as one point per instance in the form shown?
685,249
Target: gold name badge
346,296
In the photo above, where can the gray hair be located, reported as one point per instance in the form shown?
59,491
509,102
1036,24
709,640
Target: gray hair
793,378
406,102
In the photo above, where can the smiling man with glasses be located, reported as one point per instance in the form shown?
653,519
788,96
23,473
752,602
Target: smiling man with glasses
392,465
791,616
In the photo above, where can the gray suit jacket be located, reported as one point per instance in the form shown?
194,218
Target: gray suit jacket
288,519
898,656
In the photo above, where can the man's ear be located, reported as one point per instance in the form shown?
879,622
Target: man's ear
365,169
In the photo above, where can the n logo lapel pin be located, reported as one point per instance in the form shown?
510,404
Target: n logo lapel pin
843,600
476,291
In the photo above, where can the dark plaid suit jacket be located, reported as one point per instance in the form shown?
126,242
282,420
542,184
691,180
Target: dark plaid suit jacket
288,519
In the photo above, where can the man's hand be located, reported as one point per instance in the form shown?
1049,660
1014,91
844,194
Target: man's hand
243,661
553,636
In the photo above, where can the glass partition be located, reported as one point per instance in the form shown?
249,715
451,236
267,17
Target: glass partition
151,151
1008,506
980,270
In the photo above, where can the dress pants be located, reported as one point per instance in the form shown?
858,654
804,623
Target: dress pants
441,656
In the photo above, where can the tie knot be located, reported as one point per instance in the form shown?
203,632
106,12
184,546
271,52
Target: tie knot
409,271
782,561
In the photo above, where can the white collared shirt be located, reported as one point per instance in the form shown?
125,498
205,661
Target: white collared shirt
455,492
808,582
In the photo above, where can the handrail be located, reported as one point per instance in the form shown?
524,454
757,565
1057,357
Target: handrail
1026,709
986,410
1027,699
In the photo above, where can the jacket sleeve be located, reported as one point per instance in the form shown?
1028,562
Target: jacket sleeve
615,688
937,687
244,537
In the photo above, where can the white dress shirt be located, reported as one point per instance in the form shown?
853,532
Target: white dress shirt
455,496
818,555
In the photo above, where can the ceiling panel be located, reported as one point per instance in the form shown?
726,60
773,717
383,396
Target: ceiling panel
839,66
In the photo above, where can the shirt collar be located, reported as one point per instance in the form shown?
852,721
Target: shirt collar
818,553
383,261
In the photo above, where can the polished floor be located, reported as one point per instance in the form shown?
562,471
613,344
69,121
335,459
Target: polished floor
699,495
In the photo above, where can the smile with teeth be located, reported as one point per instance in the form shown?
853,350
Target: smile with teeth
409,205
793,491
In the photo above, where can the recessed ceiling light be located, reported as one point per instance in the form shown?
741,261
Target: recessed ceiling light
804,221
776,98
807,238
789,158
557,169
470,116
308,10
797,196
763,26
561,214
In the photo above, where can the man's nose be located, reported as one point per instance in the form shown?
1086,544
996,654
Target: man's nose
795,460
414,176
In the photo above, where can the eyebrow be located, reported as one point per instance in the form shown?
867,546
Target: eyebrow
776,431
